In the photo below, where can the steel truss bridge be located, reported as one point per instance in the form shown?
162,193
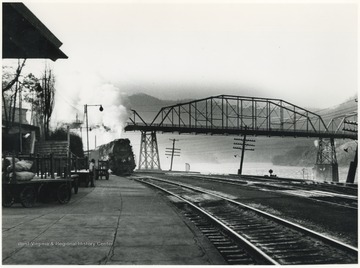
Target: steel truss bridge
239,115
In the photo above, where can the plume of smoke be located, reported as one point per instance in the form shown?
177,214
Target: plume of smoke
78,89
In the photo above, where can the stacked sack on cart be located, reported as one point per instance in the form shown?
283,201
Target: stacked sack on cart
22,169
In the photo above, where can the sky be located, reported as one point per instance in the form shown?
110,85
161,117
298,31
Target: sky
304,53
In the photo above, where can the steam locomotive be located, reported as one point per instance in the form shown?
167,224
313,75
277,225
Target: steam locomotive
120,155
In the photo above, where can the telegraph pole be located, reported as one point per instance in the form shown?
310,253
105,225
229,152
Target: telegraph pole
172,152
242,155
243,148
87,131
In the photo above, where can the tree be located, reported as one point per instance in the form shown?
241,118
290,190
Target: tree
32,92
9,92
41,94
7,84
48,98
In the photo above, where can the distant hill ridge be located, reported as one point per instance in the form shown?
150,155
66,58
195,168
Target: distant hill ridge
148,105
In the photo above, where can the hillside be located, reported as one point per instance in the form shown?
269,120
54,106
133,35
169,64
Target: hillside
148,106
306,155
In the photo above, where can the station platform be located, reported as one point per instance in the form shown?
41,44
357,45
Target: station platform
120,221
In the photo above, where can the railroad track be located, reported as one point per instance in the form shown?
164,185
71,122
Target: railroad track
294,189
245,235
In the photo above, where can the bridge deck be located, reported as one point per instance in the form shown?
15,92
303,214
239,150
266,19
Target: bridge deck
236,131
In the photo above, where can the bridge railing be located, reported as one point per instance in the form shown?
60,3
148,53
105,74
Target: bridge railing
231,111
344,123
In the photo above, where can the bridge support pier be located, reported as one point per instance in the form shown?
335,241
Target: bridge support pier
352,168
149,153
326,167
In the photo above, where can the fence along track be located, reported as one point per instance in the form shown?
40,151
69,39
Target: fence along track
269,239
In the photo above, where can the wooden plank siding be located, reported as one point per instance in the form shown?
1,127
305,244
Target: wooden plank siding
57,148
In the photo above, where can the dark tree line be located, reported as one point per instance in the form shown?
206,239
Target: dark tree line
39,92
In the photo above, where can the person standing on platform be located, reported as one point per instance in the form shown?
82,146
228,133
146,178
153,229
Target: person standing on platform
92,172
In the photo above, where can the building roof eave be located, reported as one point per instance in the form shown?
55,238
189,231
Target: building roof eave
25,36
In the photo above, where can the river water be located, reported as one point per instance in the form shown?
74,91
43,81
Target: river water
260,169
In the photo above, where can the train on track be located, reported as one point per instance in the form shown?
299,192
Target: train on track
120,155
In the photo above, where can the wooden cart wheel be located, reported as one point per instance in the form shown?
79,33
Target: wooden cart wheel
44,193
28,197
7,198
76,185
63,193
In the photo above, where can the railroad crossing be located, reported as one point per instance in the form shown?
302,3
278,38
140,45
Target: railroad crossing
253,116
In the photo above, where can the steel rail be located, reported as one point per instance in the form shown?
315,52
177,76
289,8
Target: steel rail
240,183
223,225
270,216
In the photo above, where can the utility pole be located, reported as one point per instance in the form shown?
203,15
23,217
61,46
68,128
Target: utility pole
20,118
242,155
243,148
87,130
172,152
87,124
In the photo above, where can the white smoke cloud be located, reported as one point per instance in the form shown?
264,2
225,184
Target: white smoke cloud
76,86
74,90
